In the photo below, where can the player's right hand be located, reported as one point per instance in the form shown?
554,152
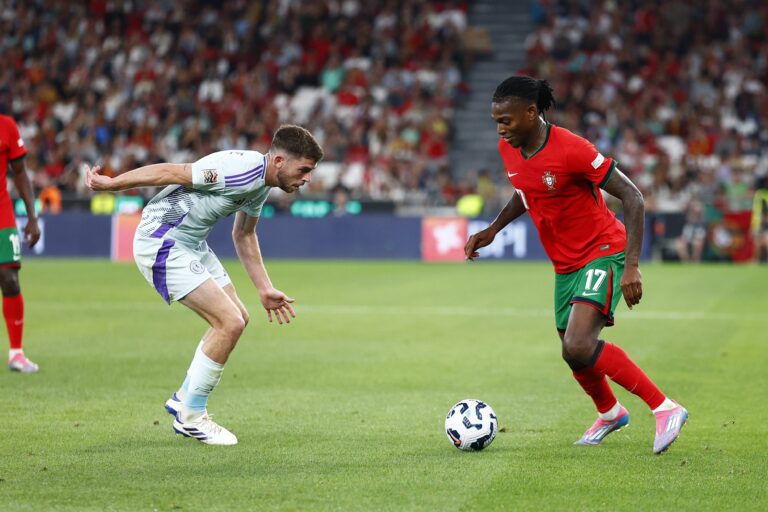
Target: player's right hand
94,180
477,241
275,301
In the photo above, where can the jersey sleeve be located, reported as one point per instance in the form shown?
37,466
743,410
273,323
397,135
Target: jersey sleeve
16,148
584,159
230,173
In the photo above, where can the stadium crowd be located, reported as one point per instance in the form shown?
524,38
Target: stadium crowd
127,83
675,90
677,94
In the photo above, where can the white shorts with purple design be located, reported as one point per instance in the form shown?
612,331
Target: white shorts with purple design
174,269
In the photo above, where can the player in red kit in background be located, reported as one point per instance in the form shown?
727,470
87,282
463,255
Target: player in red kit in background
557,176
12,151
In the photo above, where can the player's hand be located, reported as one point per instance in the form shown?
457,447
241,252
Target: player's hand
632,285
275,301
95,181
31,232
477,241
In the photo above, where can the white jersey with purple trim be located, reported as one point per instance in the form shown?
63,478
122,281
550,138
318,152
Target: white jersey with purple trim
222,184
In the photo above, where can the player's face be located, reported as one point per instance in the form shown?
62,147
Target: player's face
515,121
293,173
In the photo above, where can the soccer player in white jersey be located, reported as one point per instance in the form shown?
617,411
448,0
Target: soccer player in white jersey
171,252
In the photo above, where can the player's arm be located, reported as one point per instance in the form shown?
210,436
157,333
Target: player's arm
154,175
24,187
618,185
247,247
514,208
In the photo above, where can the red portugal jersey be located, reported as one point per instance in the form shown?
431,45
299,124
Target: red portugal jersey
11,148
559,185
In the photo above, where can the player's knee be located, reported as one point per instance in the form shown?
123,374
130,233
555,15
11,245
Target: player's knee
234,326
9,284
577,346
246,318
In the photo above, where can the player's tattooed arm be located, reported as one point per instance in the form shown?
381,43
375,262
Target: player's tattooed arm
514,208
155,175
620,186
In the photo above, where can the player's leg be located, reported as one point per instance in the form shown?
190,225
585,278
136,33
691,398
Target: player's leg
593,383
213,266
211,303
176,273
174,403
611,415
226,322
592,309
13,300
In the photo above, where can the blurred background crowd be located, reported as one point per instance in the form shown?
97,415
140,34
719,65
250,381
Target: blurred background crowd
125,83
675,94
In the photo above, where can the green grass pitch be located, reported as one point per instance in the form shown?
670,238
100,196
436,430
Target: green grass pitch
343,409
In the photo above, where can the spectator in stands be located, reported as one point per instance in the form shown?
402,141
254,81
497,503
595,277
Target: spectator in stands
690,245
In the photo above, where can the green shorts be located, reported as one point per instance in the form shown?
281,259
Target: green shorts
10,247
597,284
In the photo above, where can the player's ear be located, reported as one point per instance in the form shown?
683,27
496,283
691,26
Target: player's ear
279,159
532,112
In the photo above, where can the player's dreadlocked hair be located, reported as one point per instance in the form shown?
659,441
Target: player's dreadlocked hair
525,87
298,141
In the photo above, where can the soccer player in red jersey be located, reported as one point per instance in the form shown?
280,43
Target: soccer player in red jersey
12,151
557,176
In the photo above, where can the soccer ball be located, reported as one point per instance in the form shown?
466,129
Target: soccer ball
471,425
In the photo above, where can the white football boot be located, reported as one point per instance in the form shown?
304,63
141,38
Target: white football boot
204,429
173,405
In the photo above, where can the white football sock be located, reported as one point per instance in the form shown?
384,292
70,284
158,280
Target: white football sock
611,414
204,374
184,389
666,405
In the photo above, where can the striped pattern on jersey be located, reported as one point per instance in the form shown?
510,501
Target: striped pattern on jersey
164,213
246,177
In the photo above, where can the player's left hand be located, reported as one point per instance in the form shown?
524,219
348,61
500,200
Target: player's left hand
275,301
632,285
31,233
95,181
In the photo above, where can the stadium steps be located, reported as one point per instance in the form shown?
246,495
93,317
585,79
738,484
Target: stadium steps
473,146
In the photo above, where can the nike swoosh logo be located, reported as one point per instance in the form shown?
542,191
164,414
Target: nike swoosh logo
590,294
510,174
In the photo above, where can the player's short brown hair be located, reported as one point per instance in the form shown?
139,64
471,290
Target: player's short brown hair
297,141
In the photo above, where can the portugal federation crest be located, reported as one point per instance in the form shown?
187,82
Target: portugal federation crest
549,180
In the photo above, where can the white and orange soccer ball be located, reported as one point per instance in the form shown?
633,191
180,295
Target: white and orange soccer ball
471,425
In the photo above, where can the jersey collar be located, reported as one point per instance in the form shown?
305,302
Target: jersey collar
546,138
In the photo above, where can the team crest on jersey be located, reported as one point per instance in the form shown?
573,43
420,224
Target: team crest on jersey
549,180
210,176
